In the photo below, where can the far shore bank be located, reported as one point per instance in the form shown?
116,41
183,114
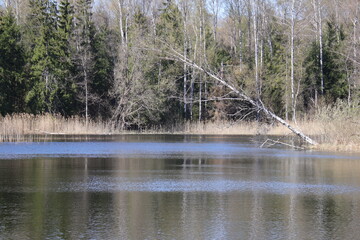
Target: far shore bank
332,135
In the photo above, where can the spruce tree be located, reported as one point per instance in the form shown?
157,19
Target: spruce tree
12,86
44,57
102,71
67,87
275,70
334,69
83,56
169,28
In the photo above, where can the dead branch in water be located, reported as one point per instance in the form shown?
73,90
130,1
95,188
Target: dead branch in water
271,142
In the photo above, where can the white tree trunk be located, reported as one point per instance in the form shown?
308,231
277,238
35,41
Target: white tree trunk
254,18
185,46
292,61
257,104
121,25
86,99
318,19
7,3
185,77
321,50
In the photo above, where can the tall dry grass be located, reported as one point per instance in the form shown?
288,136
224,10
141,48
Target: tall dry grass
335,127
338,126
18,127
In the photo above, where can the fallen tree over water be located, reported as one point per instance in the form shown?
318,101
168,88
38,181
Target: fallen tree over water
256,103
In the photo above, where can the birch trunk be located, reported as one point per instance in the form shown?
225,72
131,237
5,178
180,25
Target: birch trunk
185,48
318,19
355,45
254,18
121,25
86,82
7,3
321,49
292,61
257,104
185,80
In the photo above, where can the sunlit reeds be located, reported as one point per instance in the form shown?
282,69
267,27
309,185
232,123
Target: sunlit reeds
20,127
335,128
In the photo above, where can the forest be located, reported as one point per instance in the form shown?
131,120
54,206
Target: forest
118,60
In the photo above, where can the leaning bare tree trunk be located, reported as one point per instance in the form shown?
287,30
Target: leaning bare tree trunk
257,104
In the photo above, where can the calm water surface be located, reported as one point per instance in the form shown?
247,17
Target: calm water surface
175,187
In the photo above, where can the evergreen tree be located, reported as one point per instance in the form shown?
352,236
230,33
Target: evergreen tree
83,57
102,71
44,84
335,86
12,87
275,71
333,68
170,23
67,86
169,28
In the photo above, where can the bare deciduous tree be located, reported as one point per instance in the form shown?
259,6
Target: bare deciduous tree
256,103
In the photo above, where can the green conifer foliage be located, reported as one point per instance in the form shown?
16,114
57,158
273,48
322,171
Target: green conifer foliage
12,86
275,70
83,57
335,86
334,69
66,94
44,83
169,29
102,71
170,24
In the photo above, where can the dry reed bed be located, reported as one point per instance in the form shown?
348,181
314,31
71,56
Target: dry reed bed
18,127
335,128
331,134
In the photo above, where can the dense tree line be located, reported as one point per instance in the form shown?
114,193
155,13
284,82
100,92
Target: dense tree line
108,59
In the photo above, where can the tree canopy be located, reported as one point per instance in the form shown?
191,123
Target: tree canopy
71,58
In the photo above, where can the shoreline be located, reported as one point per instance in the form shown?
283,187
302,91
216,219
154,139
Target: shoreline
322,147
334,135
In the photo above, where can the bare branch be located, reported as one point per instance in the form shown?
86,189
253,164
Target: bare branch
257,104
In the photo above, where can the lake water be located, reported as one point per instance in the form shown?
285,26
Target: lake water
175,187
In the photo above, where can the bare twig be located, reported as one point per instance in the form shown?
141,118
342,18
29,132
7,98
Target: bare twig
258,104
272,142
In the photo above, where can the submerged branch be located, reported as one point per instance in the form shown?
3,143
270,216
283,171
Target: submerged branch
271,142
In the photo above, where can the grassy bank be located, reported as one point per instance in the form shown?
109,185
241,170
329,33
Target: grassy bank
335,128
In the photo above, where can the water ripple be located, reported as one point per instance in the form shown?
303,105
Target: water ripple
99,184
